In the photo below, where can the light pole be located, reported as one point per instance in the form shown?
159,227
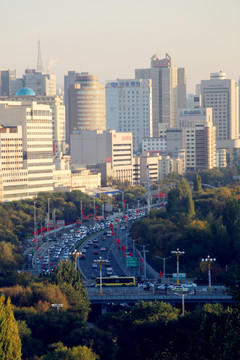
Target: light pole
48,218
209,260
164,266
178,253
57,306
75,254
81,210
144,259
100,262
148,191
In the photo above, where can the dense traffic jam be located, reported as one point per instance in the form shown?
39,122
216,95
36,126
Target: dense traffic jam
62,246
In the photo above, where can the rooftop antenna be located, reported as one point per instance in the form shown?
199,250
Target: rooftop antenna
39,59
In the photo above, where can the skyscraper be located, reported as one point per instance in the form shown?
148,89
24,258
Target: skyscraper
36,122
168,91
221,94
86,104
129,108
6,78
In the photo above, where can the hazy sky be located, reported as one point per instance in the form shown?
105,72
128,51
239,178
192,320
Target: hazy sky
110,38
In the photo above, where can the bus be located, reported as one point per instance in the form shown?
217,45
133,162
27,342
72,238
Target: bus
116,281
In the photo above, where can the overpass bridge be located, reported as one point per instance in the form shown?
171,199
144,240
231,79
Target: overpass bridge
131,297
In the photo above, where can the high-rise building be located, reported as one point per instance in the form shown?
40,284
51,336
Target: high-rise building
110,150
69,79
58,114
13,177
36,122
85,104
221,94
41,83
6,78
168,91
129,108
200,138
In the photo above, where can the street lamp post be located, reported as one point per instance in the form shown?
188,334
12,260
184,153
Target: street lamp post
178,253
209,260
144,259
75,255
100,262
57,306
81,210
164,264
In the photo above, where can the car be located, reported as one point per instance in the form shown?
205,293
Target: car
146,286
103,249
189,285
165,287
94,265
84,251
179,288
95,253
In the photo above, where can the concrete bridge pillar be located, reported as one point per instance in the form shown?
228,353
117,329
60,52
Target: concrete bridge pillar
103,309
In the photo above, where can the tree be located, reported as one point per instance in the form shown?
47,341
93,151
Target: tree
10,259
154,311
197,186
70,282
65,273
10,343
231,216
64,353
180,200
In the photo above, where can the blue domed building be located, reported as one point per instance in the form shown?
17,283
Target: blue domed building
25,91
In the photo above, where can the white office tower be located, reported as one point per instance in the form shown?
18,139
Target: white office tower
200,138
221,94
129,108
13,177
36,123
86,104
168,91
58,114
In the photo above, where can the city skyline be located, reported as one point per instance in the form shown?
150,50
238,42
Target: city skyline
110,39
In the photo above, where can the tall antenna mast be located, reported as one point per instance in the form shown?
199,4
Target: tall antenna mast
39,59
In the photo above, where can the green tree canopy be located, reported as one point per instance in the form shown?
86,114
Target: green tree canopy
61,352
180,202
10,343
197,186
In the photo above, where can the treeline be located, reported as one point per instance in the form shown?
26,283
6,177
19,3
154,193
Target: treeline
199,222
157,331
40,327
32,329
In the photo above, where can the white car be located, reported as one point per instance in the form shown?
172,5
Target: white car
165,287
179,288
189,285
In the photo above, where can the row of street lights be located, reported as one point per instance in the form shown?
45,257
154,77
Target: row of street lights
208,260
176,253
